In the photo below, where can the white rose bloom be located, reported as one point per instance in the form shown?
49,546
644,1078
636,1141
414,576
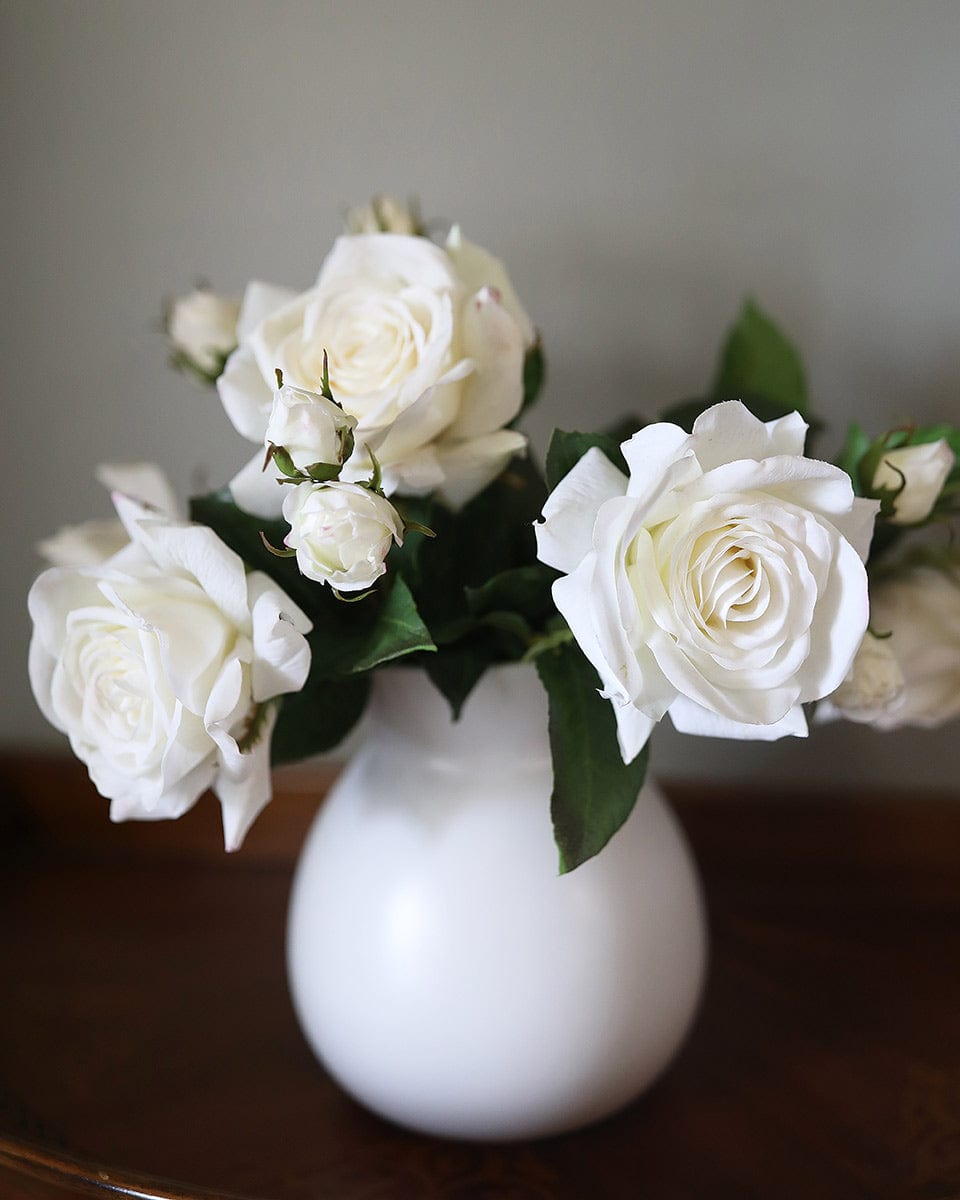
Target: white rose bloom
93,541
873,687
342,533
426,348
307,425
202,326
921,612
921,471
722,582
154,662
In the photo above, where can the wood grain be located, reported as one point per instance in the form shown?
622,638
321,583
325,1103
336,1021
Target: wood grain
147,1036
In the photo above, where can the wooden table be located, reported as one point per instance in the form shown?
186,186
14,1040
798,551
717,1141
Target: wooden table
148,1047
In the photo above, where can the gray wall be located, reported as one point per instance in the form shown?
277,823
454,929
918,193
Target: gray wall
639,166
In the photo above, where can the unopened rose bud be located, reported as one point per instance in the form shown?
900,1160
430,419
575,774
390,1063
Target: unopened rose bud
202,328
341,532
919,472
311,428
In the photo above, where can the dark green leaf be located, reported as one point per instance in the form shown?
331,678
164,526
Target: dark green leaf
851,456
455,673
398,630
406,559
318,718
534,371
593,790
524,590
567,448
491,534
758,363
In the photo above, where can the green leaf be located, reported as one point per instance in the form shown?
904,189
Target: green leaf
455,672
758,363
534,372
593,790
851,456
406,559
397,631
567,448
321,472
491,534
524,590
319,717
281,459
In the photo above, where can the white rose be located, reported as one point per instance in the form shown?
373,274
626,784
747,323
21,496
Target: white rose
155,664
202,327
341,532
308,426
93,541
722,582
426,348
383,214
921,471
921,612
873,687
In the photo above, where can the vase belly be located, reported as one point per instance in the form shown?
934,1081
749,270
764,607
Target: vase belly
444,971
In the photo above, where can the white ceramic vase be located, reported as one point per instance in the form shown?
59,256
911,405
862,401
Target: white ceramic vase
443,971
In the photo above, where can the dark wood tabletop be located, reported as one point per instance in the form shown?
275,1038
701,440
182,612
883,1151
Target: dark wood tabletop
148,1047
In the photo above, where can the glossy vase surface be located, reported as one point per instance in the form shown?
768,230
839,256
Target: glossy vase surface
442,969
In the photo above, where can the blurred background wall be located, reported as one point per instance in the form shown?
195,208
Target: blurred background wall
641,167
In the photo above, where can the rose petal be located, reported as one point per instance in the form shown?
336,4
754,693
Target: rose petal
243,782
470,465
494,392
143,480
281,655
689,717
565,535
260,300
478,269
728,431
246,397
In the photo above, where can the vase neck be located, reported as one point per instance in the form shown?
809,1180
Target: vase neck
504,719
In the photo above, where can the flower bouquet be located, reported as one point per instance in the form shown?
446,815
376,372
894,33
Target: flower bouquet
704,565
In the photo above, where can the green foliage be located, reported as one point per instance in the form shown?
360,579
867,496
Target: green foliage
759,366
346,639
567,448
855,449
860,458
395,630
758,363
534,373
477,585
319,717
593,790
